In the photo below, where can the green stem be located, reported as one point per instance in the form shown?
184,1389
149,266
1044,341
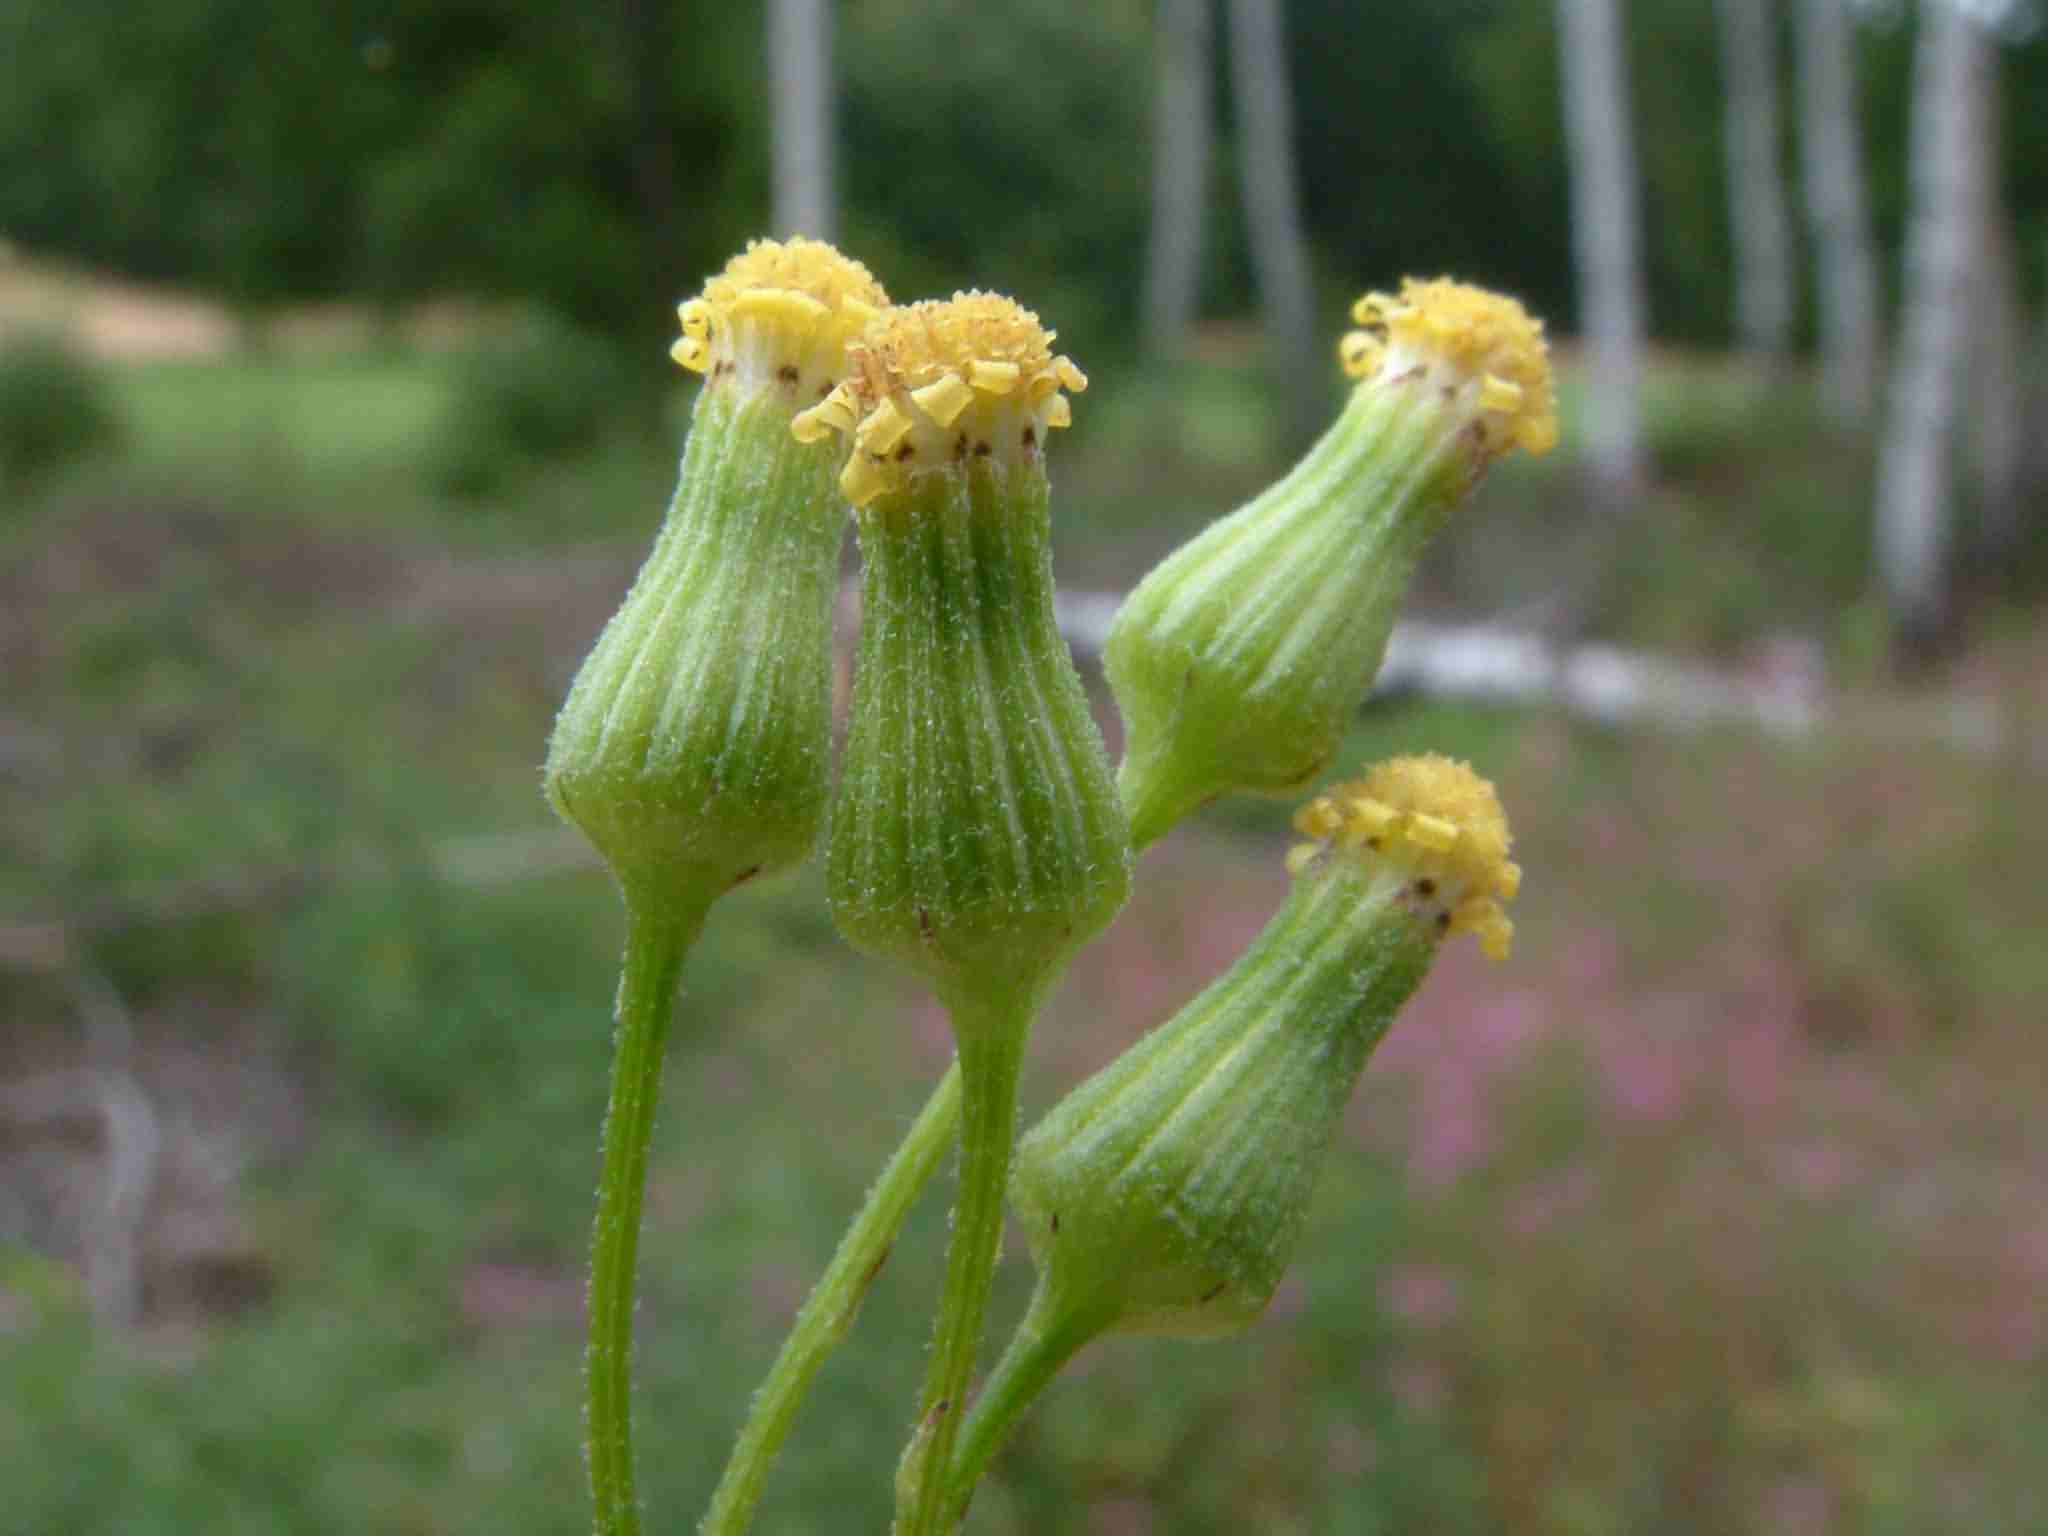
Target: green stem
658,935
991,1051
1051,1334
831,1308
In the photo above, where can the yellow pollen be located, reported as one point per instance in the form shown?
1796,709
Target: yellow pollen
1433,817
806,288
1473,333
978,360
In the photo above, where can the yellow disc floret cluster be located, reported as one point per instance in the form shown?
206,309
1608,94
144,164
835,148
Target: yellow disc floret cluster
781,312
944,382
1438,820
1484,347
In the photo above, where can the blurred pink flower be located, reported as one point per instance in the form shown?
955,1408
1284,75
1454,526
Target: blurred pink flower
1421,1295
1815,1169
1421,1387
1451,1134
1646,1078
1759,1058
1799,1507
1537,1207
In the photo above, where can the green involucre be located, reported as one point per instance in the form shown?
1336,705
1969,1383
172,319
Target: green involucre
1238,661
976,836
694,748
1164,1194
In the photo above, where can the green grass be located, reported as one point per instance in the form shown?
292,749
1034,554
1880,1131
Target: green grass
334,418
271,670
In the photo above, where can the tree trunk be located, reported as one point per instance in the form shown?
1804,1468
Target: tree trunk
1265,159
1951,63
800,103
1837,213
1997,400
1605,240
2037,412
1756,182
1180,171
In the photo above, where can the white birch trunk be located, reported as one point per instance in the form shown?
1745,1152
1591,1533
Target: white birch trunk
1916,463
1756,181
1997,397
1265,116
1606,241
1180,172
1837,212
2037,410
800,109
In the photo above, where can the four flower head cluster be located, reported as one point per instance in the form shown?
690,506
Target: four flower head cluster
976,831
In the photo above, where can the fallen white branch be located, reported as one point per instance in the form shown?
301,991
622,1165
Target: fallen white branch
1611,686
1483,663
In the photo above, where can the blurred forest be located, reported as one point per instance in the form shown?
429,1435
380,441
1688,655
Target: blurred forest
335,416
396,150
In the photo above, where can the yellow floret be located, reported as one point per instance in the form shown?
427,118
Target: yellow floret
937,382
800,300
1481,337
1435,818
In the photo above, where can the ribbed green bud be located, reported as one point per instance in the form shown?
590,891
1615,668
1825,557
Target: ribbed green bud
1238,662
1165,1194
976,836
694,748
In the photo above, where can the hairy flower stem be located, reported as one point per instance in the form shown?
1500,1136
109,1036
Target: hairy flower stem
991,1051
830,1311
1049,1336
658,935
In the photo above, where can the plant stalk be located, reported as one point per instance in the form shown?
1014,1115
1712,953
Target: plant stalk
991,1052
1049,1336
658,935
831,1308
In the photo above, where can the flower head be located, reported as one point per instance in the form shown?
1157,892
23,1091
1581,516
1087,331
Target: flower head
941,383
780,312
1481,347
1436,820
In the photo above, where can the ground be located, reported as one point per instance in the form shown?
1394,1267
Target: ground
1717,1208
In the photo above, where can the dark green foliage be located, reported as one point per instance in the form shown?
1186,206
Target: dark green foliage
475,145
544,392
601,161
993,147
55,409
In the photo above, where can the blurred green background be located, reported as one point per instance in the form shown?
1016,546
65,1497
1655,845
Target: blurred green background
334,419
